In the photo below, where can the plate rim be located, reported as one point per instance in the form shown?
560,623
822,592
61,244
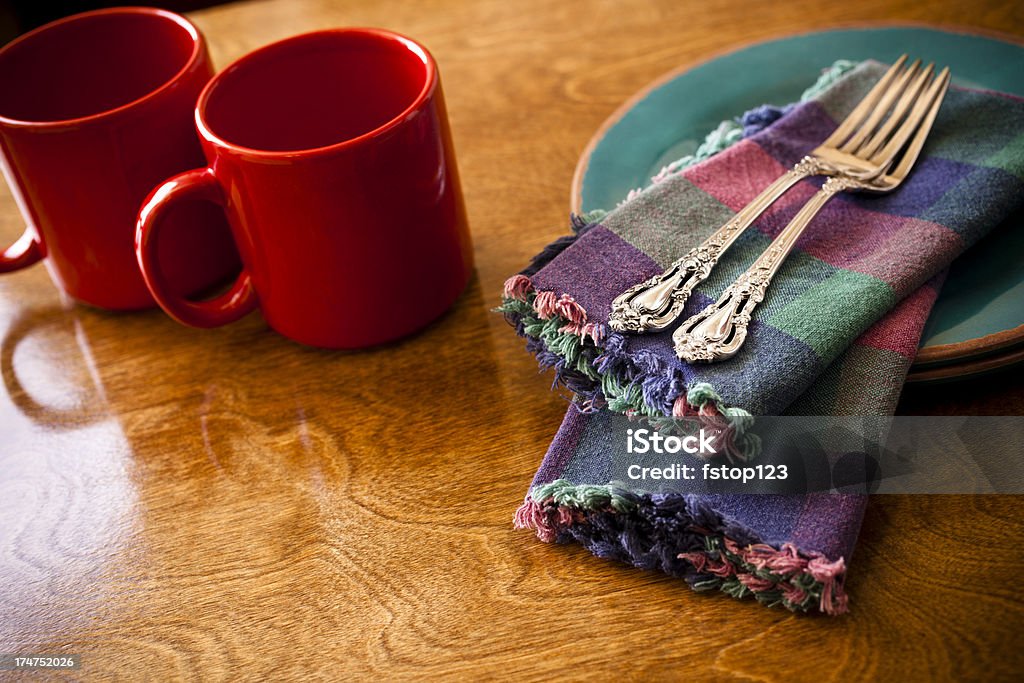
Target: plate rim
969,368
970,349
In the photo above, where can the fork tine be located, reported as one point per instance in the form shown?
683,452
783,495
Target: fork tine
915,146
901,108
922,109
865,106
881,109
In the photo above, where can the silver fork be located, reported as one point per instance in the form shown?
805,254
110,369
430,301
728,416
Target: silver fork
655,303
718,332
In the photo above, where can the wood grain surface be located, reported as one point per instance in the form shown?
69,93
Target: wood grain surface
225,504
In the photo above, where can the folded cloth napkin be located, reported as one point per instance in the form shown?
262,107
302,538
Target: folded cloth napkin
835,335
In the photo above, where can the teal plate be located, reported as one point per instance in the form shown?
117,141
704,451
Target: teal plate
980,313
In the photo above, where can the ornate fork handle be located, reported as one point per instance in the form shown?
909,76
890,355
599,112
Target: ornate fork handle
655,303
718,332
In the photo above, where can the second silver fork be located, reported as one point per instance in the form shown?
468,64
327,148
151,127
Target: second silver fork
853,150
718,332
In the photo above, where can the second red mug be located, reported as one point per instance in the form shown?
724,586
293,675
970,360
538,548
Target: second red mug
331,155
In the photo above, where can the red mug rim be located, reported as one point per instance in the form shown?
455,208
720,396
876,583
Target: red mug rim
197,45
430,84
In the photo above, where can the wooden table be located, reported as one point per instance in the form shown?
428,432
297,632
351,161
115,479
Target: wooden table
221,504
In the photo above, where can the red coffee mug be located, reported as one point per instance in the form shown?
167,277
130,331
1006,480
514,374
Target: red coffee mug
331,155
94,110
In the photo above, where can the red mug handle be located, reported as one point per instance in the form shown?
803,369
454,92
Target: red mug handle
200,184
21,254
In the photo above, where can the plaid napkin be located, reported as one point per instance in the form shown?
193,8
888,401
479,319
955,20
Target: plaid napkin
835,335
